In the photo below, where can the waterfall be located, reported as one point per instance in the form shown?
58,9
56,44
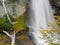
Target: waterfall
39,14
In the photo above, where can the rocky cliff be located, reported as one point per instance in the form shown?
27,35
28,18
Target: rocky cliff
15,8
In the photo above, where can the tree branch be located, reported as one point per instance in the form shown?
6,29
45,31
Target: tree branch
7,34
6,12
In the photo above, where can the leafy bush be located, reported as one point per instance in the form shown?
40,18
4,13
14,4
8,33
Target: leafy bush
57,19
4,24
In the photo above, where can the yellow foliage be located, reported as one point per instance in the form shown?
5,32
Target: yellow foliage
57,19
20,25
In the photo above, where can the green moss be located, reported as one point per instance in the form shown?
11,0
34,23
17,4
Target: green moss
20,25
4,24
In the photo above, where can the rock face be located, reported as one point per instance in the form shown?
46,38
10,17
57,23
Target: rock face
14,7
56,6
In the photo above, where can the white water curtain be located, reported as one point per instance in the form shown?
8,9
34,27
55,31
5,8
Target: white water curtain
39,14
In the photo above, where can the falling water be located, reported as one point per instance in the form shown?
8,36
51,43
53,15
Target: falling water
38,16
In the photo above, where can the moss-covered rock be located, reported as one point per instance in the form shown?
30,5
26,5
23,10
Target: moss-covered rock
20,25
